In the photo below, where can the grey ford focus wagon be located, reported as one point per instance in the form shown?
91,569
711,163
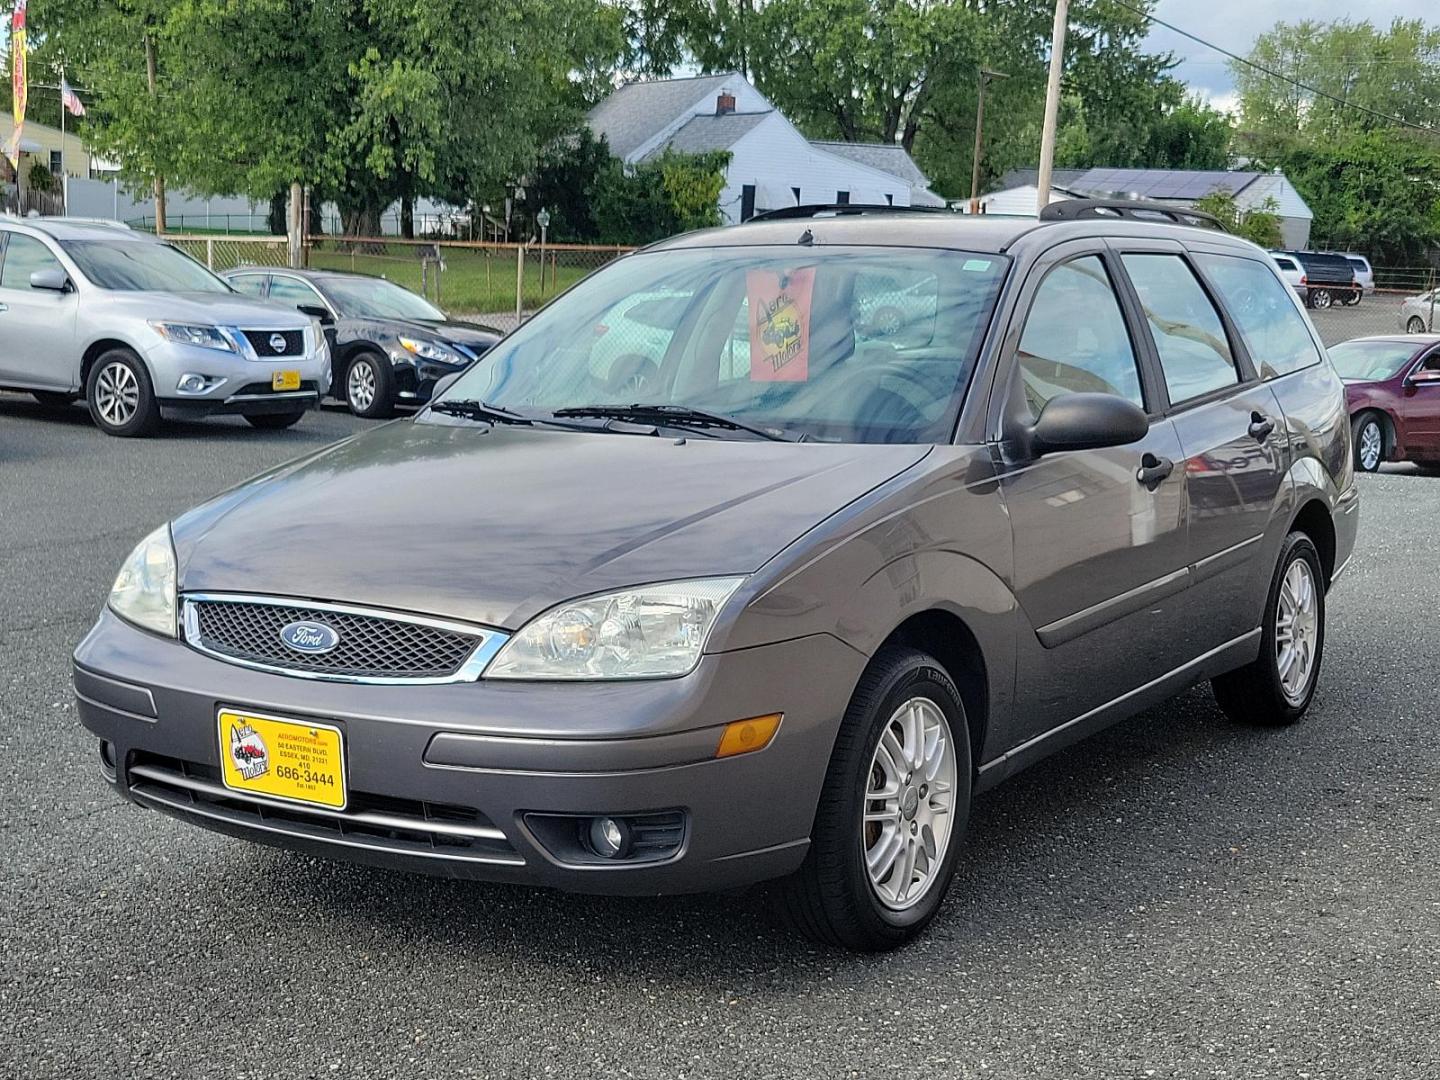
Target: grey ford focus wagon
756,555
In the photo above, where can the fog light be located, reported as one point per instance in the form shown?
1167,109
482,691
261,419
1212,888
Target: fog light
107,758
608,838
191,383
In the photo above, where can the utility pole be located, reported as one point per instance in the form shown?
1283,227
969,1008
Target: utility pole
1052,103
985,77
295,224
159,179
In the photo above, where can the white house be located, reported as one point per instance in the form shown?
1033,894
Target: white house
1252,190
771,164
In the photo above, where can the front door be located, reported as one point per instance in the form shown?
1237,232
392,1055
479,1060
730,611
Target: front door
1232,433
1099,535
1422,408
37,326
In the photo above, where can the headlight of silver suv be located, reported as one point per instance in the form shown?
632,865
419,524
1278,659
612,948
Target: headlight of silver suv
206,337
144,590
652,632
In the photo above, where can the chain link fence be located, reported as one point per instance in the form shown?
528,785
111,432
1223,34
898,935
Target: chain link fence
503,284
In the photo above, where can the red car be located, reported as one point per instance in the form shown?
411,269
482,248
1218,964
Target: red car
1392,388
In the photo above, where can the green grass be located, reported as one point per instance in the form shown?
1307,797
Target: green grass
473,281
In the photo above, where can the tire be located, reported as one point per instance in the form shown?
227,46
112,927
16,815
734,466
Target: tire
54,399
833,897
120,397
1351,299
370,386
1259,693
1320,299
275,421
1370,448
1416,325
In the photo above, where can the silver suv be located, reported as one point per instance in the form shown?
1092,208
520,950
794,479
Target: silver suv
144,332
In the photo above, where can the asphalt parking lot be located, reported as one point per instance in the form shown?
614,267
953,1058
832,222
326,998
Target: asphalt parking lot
1178,897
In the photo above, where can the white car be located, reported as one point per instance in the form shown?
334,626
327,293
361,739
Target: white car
1418,313
1290,270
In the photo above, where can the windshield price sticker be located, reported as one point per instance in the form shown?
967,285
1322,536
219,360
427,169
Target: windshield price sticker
780,324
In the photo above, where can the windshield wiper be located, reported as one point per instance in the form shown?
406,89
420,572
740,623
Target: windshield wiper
671,415
474,409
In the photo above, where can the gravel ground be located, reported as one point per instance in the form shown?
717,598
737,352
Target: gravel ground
1178,897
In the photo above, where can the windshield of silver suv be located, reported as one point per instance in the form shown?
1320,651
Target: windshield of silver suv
140,266
858,345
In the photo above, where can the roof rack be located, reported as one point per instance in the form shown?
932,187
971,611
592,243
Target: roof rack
812,210
1130,210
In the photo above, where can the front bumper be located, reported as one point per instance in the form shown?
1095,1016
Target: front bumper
239,384
447,779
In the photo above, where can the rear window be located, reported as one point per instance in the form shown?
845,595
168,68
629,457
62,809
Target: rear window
1273,328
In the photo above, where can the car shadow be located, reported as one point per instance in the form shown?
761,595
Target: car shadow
1080,838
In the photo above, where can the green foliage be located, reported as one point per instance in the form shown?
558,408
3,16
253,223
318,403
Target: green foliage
659,197
39,178
1372,185
1260,225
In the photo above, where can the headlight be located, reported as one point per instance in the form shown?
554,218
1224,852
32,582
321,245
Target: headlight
431,350
645,633
206,337
144,590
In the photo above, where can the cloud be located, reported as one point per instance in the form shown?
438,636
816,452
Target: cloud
1235,24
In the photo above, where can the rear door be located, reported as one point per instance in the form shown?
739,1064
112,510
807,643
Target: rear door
38,345
1231,431
1099,538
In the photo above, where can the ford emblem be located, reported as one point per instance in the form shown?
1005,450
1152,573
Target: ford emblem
277,344
309,637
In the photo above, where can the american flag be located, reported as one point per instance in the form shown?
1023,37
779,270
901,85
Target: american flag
71,100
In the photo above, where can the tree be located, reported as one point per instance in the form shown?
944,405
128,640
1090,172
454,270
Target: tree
1260,225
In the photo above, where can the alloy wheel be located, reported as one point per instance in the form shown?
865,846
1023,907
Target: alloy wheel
117,394
908,802
1322,299
1372,446
360,385
1297,631
1416,325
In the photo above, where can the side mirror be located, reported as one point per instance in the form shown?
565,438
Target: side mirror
1086,422
315,311
444,383
55,280
1424,377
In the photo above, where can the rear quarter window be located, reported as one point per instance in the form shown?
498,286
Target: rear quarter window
1260,303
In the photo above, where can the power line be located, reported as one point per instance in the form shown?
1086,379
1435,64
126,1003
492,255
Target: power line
1272,73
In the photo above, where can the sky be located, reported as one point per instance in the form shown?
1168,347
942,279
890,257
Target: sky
1235,24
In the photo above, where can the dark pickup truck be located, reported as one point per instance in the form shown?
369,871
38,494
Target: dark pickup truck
1326,279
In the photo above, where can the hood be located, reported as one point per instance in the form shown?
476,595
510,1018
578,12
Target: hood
460,333
218,309
493,525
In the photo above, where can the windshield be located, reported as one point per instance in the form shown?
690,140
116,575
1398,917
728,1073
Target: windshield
140,266
376,298
835,344
1371,360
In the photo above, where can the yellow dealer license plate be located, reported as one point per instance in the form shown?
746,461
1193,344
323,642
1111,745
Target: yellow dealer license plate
285,380
296,760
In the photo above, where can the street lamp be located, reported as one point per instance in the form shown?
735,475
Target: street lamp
985,76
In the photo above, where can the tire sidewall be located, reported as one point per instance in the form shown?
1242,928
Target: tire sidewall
147,411
383,402
1363,421
1297,546
1320,299
915,676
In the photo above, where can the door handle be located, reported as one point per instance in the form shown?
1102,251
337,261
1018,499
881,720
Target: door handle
1153,470
1260,426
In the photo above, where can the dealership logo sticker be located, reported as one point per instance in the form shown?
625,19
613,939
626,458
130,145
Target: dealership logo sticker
309,637
248,751
277,343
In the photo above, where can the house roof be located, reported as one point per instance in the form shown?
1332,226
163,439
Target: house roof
638,111
887,157
707,132
1060,178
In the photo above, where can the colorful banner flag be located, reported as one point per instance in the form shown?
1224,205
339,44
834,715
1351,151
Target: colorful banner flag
71,100
19,87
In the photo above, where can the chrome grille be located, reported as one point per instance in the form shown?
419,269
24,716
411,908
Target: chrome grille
372,646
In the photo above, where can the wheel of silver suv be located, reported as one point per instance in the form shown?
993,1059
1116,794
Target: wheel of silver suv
119,395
